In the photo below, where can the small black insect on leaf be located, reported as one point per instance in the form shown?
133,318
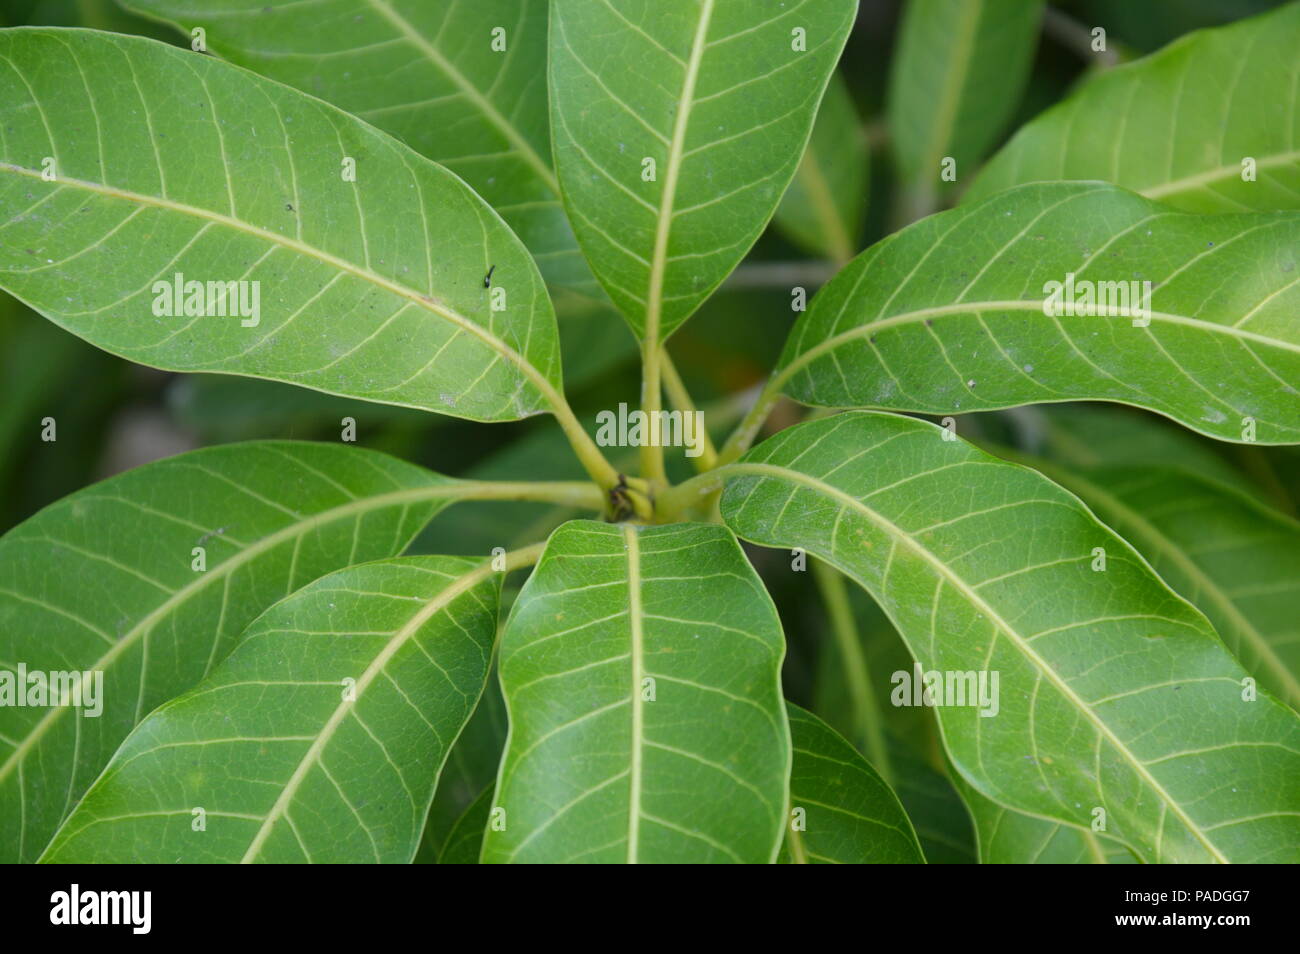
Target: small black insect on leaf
487,279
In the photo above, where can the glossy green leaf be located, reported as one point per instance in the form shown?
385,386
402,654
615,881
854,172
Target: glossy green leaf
677,127
1236,559
1010,838
319,739
1177,125
1113,693
826,203
641,670
959,70
846,814
435,75
949,314
164,166
105,581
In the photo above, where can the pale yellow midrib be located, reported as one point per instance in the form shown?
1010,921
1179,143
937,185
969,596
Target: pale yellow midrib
658,259
311,757
492,341
1188,183
939,567
637,639
472,93
798,851
1094,847
908,317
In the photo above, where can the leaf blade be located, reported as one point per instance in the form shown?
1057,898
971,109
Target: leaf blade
397,66
949,314
1150,782
1006,837
1232,557
606,121
851,815
616,790
228,215
87,582
1165,103
424,624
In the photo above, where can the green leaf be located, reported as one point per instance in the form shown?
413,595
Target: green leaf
372,288
104,581
850,816
641,670
465,841
1112,693
1010,838
958,72
824,208
1177,125
719,97
319,739
1235,559
949,314
428,74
